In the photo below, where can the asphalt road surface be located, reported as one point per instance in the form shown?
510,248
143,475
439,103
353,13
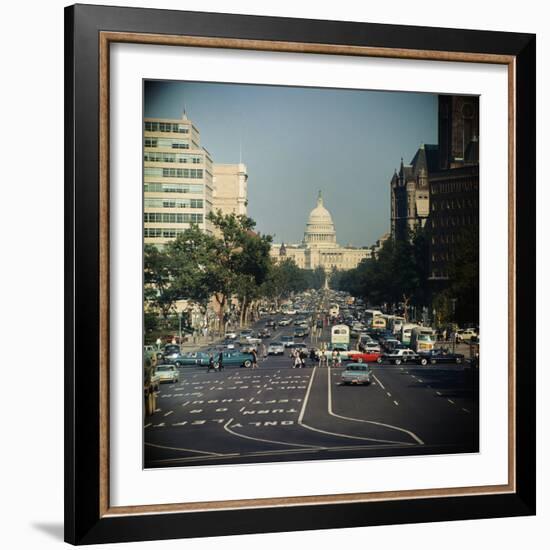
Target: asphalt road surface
278,413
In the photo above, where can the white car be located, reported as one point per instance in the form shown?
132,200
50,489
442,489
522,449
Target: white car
276,348
466,334
167,373
284,322
230,335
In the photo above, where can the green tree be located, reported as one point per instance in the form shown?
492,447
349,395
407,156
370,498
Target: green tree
464,277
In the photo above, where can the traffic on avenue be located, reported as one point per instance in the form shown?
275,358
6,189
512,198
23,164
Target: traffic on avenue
319,377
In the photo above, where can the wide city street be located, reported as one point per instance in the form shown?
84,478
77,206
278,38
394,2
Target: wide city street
277,412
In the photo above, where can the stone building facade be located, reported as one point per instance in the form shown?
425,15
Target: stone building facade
439,189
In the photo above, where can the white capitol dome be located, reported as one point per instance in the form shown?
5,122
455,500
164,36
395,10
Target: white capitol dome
320,232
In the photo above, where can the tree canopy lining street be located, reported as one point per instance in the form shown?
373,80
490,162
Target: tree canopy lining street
234,262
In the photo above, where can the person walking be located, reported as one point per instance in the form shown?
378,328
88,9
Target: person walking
313,357
211,363
220,361
333,362
338,359
264,352
297,360
254,359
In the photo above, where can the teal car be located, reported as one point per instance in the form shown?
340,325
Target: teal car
235,359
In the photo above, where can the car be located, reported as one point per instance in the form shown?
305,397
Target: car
284,322
264,333
182,359
399,356
301,332
372,347
390,344
270,323
442,356
287,341
343,349
365,357
276,348
167,373
234,358
229,343
356,373
230,335
466,335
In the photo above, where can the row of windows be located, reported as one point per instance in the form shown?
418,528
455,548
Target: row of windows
162,233
157,217
192,173
453,203
453,221
166,127
173,187
153,156
453,187
174,203
170,143
445,257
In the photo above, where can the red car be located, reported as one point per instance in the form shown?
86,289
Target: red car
365,357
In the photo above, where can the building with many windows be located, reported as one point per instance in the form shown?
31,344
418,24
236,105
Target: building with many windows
319,247
178,179
439,189
230,193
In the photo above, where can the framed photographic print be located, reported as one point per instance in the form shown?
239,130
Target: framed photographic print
298,264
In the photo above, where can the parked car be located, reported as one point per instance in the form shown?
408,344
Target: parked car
356,373
188,358
466,335
365,357
276,348
167,373
284,322
399,356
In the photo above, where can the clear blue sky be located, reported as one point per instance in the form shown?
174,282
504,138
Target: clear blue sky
296,141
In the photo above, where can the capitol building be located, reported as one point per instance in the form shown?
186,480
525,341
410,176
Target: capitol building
319,247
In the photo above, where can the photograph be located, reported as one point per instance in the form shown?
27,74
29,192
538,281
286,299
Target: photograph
310,274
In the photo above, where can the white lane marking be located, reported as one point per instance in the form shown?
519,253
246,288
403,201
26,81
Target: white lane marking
379,383
303,410
438,393
451,401
389,394
411,434
227,429
330,411
182,449
421,381
186,403
465,410
168,413
150,424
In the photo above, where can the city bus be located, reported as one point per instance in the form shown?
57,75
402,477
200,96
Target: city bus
406,330
378,322
339,335
422,339
395,324
370,314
